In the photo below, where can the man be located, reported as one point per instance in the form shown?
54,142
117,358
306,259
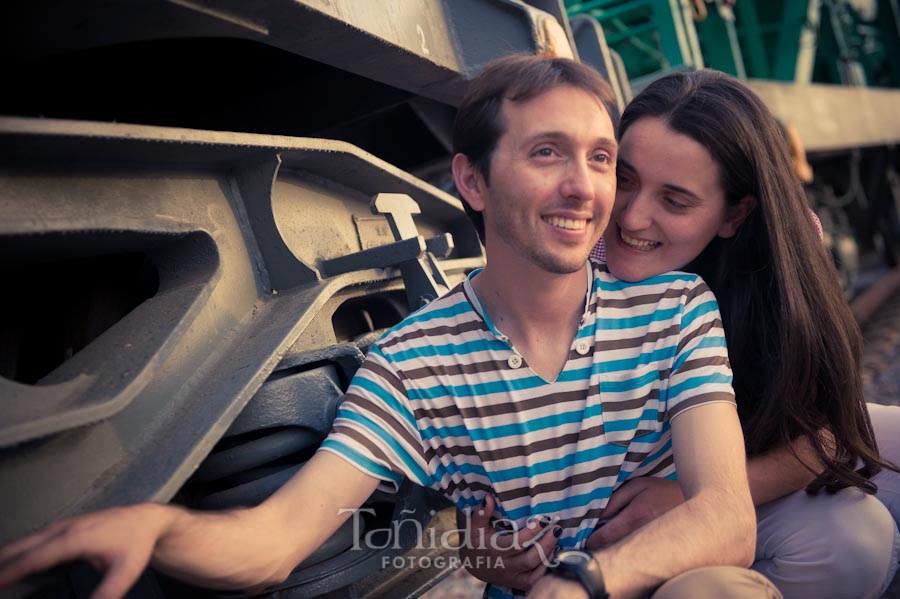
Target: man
495,387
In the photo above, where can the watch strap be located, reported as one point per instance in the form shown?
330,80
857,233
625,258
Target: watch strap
587,572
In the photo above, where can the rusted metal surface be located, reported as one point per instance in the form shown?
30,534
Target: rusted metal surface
427,47
241,336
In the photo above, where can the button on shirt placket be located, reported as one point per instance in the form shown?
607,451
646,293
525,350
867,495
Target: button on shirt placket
515,360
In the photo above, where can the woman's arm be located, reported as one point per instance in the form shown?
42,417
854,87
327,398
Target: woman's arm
778,472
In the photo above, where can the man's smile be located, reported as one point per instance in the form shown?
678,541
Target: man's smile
572,224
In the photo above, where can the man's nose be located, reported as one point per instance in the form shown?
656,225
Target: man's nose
578,182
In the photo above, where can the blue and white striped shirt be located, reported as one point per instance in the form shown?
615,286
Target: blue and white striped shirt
444,400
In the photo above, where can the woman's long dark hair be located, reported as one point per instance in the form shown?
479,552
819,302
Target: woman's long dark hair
793,343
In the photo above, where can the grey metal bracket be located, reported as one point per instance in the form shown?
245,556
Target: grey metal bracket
413,254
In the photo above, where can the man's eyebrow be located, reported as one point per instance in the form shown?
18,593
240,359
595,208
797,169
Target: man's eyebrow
676,188
608,142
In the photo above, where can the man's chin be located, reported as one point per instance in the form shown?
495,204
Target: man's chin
565,267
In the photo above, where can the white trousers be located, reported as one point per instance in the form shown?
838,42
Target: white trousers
886,422
841,546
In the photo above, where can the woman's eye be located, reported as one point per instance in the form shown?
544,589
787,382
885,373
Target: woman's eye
624,180
676,204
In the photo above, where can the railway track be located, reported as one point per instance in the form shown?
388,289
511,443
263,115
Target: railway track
878,310
879,307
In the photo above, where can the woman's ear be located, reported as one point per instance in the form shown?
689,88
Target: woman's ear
469,182
736,216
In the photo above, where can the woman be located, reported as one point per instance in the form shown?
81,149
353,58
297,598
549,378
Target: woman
705,184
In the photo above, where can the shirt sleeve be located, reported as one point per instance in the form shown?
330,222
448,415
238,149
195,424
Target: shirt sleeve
701,372
375,428
818,223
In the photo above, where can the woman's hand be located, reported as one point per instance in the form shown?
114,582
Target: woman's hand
632,505
505,558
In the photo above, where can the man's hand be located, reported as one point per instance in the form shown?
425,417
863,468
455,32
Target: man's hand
247,548
633,505
524,561
552,587
118,542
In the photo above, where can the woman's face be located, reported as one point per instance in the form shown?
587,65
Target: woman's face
669,202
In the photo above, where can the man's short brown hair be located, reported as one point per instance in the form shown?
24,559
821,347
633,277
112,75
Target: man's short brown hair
517,77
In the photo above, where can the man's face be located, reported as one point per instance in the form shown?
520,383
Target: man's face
552,181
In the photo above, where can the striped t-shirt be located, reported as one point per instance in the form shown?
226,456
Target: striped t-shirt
445,400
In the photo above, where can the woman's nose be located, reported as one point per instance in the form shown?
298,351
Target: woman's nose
635,210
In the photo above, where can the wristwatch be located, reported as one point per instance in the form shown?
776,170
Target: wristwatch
573,564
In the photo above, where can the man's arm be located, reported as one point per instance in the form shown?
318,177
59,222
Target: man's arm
716,525
772,475
235,549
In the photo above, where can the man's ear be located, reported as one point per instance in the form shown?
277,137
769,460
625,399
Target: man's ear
736,216
469,182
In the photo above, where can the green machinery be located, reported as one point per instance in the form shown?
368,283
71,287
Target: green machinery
826,41
829,68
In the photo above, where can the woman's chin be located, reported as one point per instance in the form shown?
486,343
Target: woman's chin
624,274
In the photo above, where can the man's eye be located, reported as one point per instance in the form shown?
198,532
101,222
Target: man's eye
602,157
546,152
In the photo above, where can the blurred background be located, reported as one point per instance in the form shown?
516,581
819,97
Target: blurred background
192,269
